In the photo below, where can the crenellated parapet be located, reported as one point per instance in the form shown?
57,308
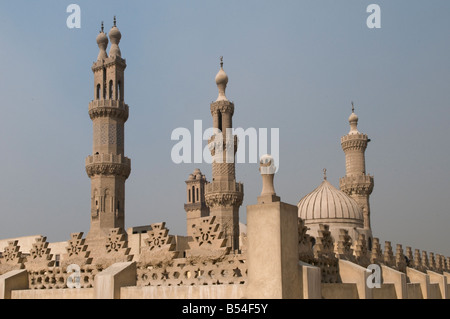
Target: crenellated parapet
357,142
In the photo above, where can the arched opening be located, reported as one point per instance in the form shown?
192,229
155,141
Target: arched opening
97,95
193,194
219,115
104,83
370,244
119,90
189,197
197,195
111,90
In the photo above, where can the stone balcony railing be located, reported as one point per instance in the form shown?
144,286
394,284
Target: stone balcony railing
108,158
113,108
224,186
108,164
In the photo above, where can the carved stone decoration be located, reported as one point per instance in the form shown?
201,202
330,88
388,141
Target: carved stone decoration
432,262
77,251
409,257
388,257
344,246
40,257
418,260
439,264
108,169
376,255
12,258
400,259
305,243
160,247
324,256
208,242
115,249
425,263
361,253
324,246
224,199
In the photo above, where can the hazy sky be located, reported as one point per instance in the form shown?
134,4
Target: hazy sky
293,65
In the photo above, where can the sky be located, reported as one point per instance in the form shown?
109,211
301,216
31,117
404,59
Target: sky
292,65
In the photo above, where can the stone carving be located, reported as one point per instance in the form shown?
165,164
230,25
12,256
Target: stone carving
344,246
432,262
232,269
12,258
77,251
376,256
361,253
224,200
324,256
116,169
409,257
208,242
115,249
388,257
400,259
305,243
40,257
160,247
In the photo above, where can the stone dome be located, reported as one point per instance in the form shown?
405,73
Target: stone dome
328,205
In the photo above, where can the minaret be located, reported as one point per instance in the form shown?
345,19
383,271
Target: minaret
223,195
356,183
108,168
196,205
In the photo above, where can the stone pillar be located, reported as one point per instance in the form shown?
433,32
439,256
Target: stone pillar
272,238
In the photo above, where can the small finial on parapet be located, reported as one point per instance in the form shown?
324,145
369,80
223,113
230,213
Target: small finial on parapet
267,169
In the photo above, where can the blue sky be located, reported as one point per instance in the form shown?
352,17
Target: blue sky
292,65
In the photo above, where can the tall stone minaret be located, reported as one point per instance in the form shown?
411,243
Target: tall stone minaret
356,183
108,168
223,195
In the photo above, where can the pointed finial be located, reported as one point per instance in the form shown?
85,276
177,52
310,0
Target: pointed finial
102,27
324,174
353,108
221,61
114,20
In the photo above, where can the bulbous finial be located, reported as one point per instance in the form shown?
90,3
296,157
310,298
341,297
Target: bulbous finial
353,120
221,81
102,42
115,36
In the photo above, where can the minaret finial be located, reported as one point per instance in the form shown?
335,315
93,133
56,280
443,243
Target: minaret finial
221,61
115,21
353,108
324,174
102,27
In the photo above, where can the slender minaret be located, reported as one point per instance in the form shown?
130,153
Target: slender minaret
196,205
356,183
108,168
223,195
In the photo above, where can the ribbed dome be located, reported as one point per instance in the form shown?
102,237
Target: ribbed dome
327,204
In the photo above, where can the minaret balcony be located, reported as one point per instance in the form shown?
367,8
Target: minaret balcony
108,108
108,164
357,184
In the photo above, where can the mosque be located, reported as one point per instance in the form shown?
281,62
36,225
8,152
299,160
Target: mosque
320,248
